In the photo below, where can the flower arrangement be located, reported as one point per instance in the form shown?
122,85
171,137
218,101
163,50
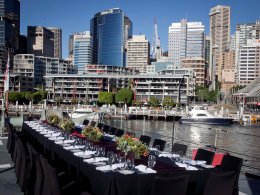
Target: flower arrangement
53,119
128,144
92,133
66,124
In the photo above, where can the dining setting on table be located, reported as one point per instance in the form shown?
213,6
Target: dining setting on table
108,164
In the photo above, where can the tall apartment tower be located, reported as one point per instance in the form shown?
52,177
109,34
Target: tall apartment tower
82,51
110,29
220,38
57,40
186,40
248,66
138,52
207,49
245,32
9,30
71,46
40,41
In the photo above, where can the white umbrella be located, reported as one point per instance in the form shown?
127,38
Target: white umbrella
16,105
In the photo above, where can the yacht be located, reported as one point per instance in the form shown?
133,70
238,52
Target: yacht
81,112
199,114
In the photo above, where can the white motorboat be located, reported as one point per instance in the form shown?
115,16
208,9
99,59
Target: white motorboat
199,114
81,112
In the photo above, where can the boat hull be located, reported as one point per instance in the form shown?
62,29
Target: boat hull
210,121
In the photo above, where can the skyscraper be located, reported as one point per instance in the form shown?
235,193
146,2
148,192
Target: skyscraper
9,29
57,41
82,51
186,39
219,37
40,41
138,53
110,29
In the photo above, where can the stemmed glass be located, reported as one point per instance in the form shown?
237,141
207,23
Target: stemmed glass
122,160
157,150
151,161
102,151
130,164
111,158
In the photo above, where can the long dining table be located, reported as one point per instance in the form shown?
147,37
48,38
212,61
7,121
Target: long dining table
112,182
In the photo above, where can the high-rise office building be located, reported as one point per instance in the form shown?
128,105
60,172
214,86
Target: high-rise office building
57,41
186,39
110,29
138,52
220,38
9,30
40,41
207,49
248,66
245,32
71,46
82,51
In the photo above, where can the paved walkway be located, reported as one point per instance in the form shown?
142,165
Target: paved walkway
8,184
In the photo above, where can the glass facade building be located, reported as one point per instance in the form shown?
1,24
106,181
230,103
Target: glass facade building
110,29
82,51
9,29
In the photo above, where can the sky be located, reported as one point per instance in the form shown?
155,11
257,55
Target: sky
75,15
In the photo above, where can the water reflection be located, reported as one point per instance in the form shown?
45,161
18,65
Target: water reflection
238,140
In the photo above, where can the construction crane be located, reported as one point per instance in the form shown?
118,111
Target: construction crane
156,48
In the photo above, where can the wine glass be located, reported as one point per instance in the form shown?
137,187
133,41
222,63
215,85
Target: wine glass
122,160
130,164
179,157
111,159
157,150
102,151
151,161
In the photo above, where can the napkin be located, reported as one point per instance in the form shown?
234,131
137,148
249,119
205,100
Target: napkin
97,159
69,141
187,167
84,153
207,166
144,169
110,167
74,147
169,155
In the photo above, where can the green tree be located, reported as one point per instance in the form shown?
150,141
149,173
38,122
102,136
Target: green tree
106,97
13,96
154,101
37,96
29,96
124,95
168,101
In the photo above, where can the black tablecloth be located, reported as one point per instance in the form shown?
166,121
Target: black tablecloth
112,183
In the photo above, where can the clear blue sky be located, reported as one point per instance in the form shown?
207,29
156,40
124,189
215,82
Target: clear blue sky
74,15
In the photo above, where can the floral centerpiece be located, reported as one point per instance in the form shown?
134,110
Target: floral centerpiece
93,133
128,144
66,125
53,119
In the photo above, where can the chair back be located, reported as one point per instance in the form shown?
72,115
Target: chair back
232,163
166,185
205,155
130,133
120,132
106,128
46,190
145,139
221,183
100,125
55,186
85,122
159,142
39,177
112,131
179,148
92,123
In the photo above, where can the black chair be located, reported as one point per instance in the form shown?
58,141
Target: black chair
92,123
39,179
106,128
119,132
170,185
179,148
100,125
159,142
232,163
205,155
46,189
112,131
145,139
85,122
221,183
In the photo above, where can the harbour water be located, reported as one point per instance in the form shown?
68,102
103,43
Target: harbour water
241,141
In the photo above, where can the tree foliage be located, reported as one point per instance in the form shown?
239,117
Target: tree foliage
124,95
106,97
168,101
154,101
27,96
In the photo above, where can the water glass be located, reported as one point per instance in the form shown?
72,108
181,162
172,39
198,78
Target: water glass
122,160
117,158
102,151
